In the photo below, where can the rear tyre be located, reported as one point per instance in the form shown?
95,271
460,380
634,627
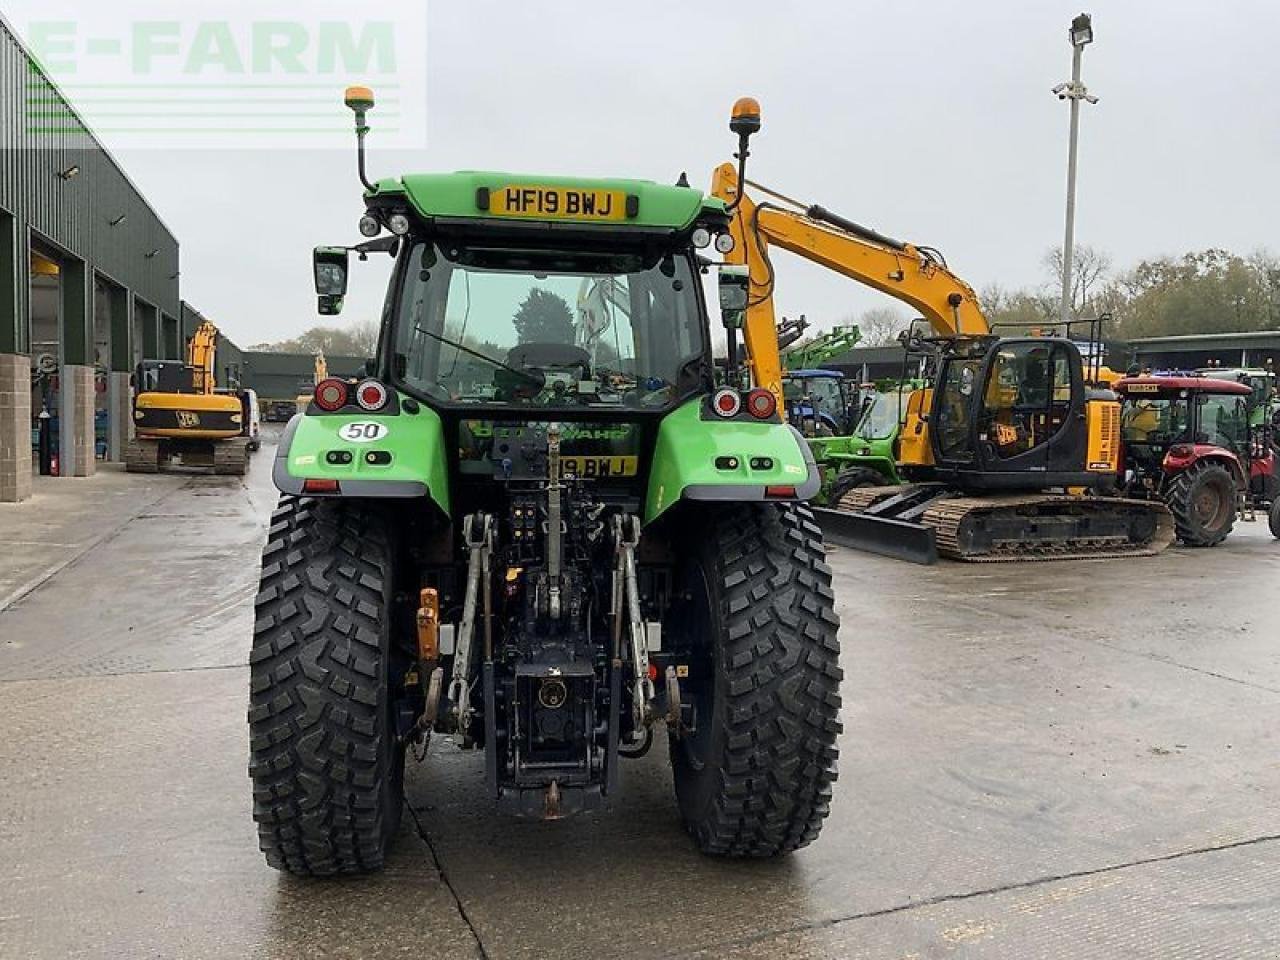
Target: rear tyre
852,478
1202,500
1273,518
754,779
326,766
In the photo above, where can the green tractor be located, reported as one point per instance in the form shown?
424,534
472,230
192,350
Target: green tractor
536,528
866,457
1263,401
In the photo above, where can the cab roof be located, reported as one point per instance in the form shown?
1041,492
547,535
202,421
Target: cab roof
1170,384
477,194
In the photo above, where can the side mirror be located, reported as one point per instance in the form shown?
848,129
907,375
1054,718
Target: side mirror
735,283
330,269
330,265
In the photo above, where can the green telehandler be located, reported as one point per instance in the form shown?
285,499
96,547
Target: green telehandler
867,456
538,528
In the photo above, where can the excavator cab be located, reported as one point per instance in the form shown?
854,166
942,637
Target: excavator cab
1014,414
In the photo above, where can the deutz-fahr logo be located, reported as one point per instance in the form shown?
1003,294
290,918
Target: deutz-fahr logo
569,431
186,419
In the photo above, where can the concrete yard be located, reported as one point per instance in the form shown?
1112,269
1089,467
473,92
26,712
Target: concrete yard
1076,759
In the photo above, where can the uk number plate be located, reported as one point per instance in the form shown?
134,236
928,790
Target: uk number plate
598,468
557,203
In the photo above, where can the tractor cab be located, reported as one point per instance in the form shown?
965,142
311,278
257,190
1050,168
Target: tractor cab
819,402
1262,383
1159,413
1188,440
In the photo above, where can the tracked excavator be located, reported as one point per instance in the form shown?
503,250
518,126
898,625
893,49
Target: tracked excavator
1010,453
178,414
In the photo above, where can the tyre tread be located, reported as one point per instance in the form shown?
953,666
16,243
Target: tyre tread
781,658
317,702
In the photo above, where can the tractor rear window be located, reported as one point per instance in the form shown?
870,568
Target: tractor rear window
548,328
1154,419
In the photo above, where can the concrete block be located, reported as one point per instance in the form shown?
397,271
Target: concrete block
77,421
15,427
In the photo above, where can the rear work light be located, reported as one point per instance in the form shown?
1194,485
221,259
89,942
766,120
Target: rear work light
371,395
761,403
726,402
331,394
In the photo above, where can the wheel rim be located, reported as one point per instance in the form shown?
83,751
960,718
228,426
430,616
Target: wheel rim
1211,506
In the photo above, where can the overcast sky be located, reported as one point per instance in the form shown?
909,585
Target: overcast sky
932,121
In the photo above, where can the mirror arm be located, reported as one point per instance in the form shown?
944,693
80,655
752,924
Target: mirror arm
362,130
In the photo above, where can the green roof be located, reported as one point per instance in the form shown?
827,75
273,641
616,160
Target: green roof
460,194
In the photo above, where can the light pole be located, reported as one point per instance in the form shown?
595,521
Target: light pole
1081,35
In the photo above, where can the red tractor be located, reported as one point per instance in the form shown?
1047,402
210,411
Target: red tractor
1188,442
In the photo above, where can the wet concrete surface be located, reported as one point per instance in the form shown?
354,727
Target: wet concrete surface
1058,759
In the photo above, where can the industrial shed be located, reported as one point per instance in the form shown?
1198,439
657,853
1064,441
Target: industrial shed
88,280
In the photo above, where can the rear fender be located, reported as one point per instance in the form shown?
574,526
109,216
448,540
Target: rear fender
389,455
727,460
1202,453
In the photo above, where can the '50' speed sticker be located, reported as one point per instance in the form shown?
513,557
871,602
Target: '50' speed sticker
362,431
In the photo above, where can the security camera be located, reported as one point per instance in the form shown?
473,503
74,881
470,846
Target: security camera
1061,90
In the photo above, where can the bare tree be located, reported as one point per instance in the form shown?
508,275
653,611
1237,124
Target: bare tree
879,326
364,334
1016,308
1089,269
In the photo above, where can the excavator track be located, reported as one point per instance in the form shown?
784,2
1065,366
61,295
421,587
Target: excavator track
231,457
1048,527
922,522
142,456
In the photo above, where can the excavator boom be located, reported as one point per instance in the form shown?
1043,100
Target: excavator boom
915,275
201,357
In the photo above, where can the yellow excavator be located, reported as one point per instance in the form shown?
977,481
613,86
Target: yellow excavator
178,414
1013,449
321,372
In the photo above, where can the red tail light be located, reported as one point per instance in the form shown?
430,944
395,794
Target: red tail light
331,394
726,402
371,395
761,403
780,491
319,486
